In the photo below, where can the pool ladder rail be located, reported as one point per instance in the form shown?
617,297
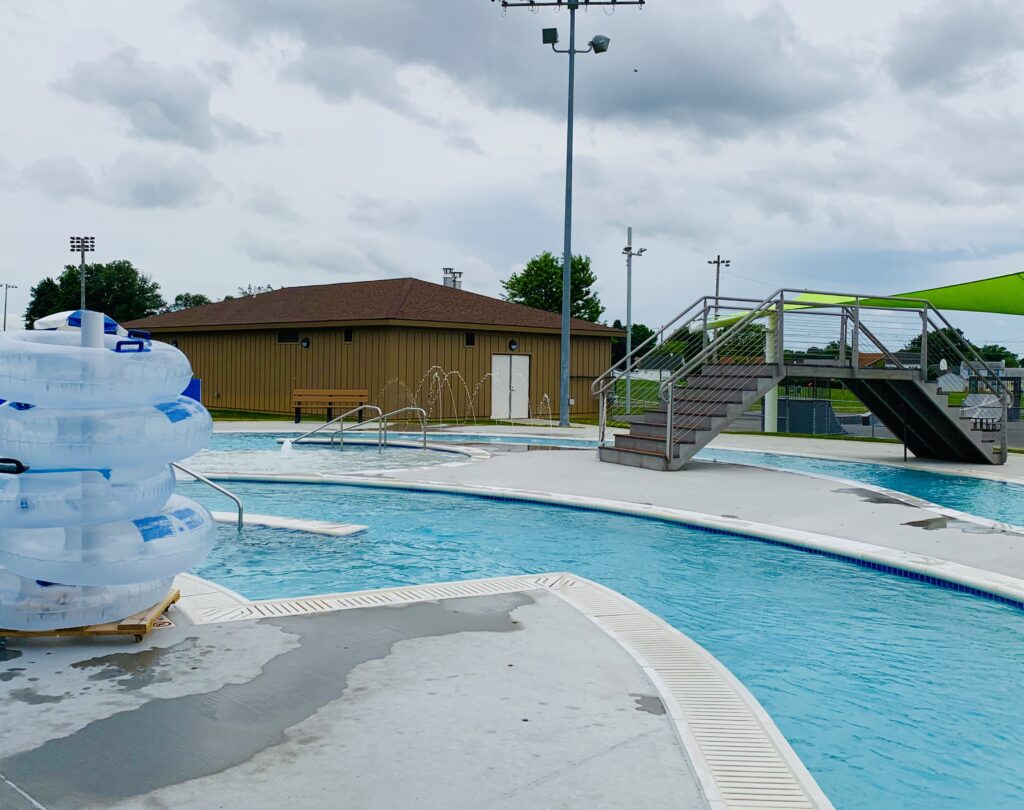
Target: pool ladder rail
381,420
204,480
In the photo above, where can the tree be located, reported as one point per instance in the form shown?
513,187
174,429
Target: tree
943,344
116,288
990,351
250,291
188,301
640,334
539,285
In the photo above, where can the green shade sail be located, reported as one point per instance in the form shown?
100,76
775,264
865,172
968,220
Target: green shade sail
1000,295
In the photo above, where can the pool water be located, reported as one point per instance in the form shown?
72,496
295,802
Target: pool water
896,693
996,500
260,453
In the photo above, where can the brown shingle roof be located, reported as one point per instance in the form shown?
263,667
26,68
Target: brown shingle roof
399,299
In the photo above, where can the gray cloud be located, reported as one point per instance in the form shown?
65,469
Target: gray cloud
270,203
132,181
159,103
697,66
347,73
950,47
382,213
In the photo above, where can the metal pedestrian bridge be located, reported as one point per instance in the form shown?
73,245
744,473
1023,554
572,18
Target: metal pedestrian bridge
717,359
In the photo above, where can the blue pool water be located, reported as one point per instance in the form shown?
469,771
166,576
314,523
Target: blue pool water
996,500
896,694
264,441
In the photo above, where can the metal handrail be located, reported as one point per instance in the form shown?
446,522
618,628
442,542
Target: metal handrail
204,480
338,419
340,432
423,421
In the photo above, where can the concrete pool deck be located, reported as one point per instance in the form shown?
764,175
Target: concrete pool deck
527,696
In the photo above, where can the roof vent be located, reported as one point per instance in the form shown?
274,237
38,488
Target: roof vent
452,278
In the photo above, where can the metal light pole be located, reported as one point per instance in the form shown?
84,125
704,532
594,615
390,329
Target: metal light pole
6,288
82,245
629,254
598,44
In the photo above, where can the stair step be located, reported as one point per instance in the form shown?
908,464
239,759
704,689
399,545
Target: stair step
717,383
656,419
710,395
629,442
727,370
634,458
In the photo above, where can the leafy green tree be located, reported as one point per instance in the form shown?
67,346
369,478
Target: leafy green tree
943,344
188,301
640,334
991,351
249,291
116,288
539,285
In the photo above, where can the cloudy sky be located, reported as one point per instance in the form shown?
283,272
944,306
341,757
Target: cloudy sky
218,143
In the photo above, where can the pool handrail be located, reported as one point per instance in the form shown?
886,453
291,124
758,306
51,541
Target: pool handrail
379,419
413,409
339,419
204,480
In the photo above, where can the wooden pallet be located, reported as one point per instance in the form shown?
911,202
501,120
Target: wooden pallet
137,625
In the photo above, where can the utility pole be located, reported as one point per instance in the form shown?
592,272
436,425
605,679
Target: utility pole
83,245
599,44
629,254
6,288
719,263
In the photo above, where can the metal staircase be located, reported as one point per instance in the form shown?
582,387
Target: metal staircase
695,376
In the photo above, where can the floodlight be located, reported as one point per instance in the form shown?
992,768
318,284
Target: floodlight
600,43
550,36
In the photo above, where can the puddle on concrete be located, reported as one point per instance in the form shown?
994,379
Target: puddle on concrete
935,523
218,730
870,496
8,655
34,698
133,671
649,703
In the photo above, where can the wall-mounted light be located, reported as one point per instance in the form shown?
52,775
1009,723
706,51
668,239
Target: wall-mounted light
513,345
305,343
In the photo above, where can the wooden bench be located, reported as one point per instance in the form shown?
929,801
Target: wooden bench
329,399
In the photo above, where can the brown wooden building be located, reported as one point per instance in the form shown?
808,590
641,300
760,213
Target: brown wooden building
406,341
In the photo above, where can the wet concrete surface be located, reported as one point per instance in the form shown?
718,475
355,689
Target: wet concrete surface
314,703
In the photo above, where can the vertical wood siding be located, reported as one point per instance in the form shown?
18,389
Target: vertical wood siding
433,368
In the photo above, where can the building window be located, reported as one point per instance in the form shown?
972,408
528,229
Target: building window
348,335
288,336
471,338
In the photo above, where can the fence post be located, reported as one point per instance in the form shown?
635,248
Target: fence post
855,343
924,344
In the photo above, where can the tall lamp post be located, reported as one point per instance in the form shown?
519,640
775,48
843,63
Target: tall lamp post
6,288
599,44
629,254
82,245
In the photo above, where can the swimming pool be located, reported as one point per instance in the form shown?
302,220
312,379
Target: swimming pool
996,500
260,453
896,694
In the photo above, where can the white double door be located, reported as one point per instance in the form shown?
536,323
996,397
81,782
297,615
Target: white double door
510,386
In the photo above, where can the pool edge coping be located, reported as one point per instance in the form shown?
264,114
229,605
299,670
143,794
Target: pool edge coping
677,670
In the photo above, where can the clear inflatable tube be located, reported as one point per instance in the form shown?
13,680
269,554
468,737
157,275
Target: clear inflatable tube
53,369
76,497
34,605
63,438
144,549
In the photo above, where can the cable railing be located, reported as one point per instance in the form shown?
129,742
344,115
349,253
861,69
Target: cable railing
204,480
742,340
